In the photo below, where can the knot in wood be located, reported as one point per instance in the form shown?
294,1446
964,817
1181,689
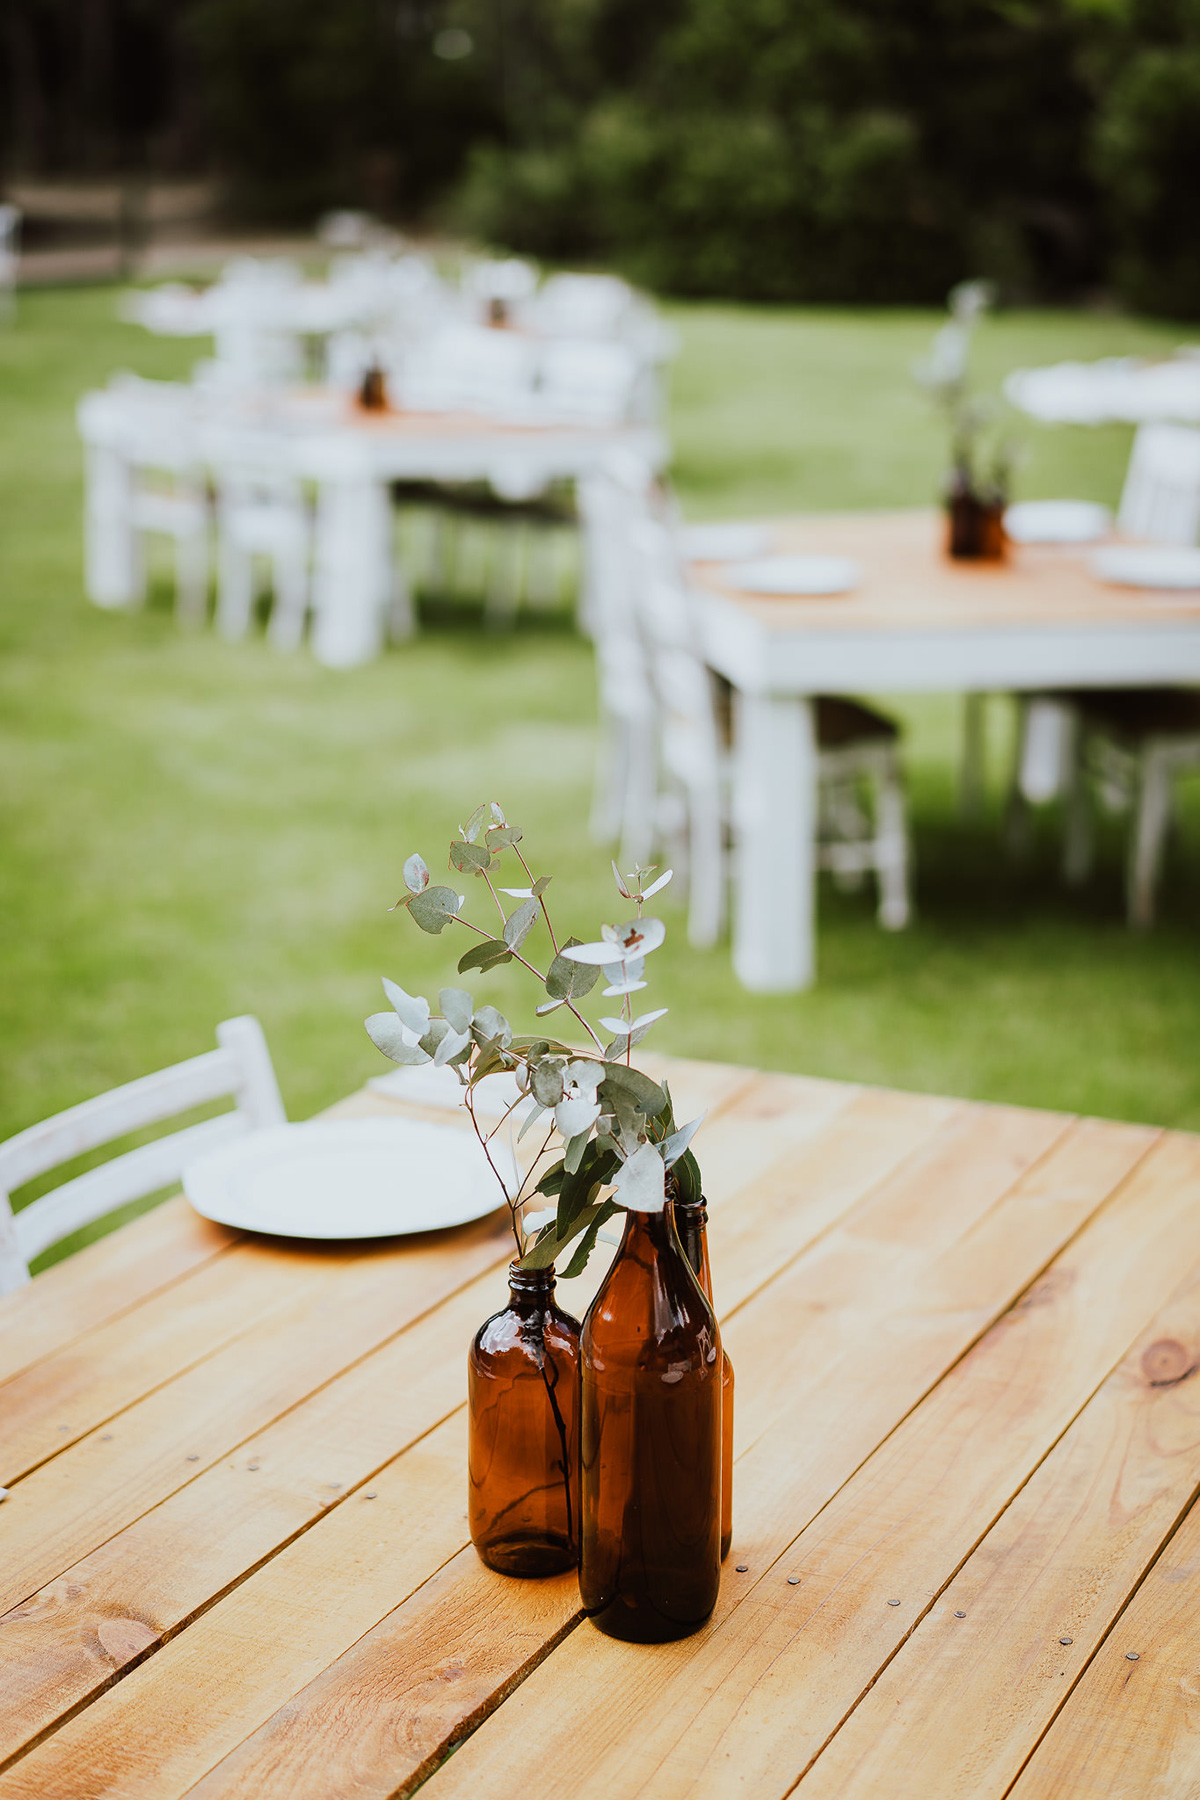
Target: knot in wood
1167,1362
123,1639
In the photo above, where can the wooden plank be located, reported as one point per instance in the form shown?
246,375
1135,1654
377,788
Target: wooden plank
124,1737
728,1712
50,1406
1128,1730
961,1706
104,1280
70,1505
51,1656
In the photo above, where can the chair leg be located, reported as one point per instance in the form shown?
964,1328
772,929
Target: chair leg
612,775
191,577
973,778
1079,835
290,610
706,869
1152,814
235,590
638,801
892,848
505,574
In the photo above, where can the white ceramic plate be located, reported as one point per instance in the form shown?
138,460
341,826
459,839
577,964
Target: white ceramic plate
1148,566
347,1178
794,575
724,542
1057,522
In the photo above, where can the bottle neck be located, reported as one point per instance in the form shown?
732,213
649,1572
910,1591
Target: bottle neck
529,1290
691,1222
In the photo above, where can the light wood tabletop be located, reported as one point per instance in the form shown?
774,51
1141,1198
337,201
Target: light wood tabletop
235,1556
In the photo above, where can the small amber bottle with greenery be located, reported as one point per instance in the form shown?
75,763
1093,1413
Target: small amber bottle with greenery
523,1431
691,1223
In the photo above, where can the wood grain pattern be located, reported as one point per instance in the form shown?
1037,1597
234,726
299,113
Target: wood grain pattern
267,1766
742,1709
1131,1729
104,1280
931,1306
74,1503
963,1703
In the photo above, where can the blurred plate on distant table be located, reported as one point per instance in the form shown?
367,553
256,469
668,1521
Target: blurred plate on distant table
348,1178
723,543
794,575
1057,522
1148,566
426,1085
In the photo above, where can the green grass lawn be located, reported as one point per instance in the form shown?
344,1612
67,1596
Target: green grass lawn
192,829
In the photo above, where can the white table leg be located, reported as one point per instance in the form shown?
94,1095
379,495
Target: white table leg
973,780
774,827
351,587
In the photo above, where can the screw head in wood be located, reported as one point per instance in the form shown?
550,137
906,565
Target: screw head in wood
893,1603
1132,1656
193,1457
741,1568
1066,1640
252,1467
107,1438
368,1496
960,1615
793,1581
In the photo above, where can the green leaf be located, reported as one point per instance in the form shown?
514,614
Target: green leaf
599,1165
546,1082
551,1182
567,980
686,1175
540,885
457,1006
539,1046
649,1096
410,1008
501,836
470,859
475,823
490,1062
487,955
552,1240
434,909
606,1210
520,923
573,1155
385,1032
416,875
539,1112
490,1026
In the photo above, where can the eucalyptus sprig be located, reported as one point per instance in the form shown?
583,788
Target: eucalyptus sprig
610,1132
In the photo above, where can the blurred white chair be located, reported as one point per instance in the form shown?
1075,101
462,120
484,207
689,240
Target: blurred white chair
623,805
261,516
145,478
240,1067
580,306
469,368
10,256
1124,747
582,382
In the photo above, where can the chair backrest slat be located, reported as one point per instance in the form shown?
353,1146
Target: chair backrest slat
240,1067
130,1177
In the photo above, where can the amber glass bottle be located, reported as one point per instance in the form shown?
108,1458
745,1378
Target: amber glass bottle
523,1448
650,1369
691,1222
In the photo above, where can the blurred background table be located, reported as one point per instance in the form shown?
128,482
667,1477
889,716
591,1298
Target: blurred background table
915,623
968,1439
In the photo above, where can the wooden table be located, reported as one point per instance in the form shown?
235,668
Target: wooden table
916,623
964,1562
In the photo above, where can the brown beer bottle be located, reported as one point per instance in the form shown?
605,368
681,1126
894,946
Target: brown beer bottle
523,1432
691,1222
650,1368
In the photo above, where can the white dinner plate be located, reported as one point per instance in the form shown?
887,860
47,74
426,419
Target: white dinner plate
348,1178
1148,565
794,575
726,542
1057,522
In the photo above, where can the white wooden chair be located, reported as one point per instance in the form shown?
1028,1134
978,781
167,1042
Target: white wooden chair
240,1066
1123,747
